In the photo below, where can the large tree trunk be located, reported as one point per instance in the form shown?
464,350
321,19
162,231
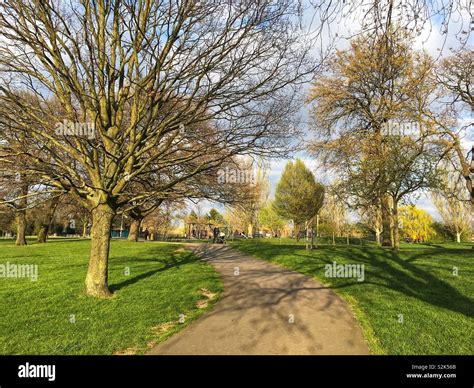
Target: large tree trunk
97,273
396,231
386,225
20,216
134,229
43,233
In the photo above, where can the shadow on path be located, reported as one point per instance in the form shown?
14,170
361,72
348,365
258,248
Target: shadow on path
267,309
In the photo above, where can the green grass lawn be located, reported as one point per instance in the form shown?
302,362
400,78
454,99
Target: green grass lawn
418,282
36,317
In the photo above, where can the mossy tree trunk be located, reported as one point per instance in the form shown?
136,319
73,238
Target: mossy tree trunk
97,273
20,216
134,229
43,233
20,219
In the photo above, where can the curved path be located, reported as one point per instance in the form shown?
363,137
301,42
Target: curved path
266,309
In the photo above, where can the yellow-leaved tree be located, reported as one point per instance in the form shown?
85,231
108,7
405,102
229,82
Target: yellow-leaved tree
416,223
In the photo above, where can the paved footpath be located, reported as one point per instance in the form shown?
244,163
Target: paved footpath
257,307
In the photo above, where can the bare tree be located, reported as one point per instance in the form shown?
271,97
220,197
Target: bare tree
161,219
45,215
249,179
452,205
334,214
129,78
456,75
371,216
14,194
375,17
370,93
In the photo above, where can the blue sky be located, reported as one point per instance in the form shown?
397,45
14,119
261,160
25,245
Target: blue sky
430,39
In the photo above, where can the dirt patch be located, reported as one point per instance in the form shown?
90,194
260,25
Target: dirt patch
159,331
163,328
209,295
126,352
201,304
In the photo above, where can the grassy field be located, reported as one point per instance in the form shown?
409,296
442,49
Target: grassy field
409,303
53,316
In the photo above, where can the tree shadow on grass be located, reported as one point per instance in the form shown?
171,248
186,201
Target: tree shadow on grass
168,260
384,268
425,286
401,275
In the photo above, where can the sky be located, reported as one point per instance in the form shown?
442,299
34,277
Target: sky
430,39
